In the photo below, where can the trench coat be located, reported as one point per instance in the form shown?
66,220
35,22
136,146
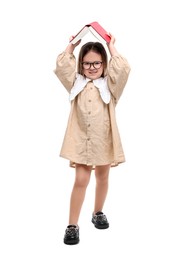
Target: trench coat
92,136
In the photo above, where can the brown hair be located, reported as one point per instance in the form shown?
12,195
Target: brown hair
95,47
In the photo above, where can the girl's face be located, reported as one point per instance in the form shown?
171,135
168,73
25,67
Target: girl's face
92,65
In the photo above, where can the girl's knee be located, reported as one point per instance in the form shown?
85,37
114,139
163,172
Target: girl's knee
102,177
102,173
82,181
83,174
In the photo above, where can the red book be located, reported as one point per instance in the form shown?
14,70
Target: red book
96,29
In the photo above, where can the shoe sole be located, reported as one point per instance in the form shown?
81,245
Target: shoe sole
100,226
72,242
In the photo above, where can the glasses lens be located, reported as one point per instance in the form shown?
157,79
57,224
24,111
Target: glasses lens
86,65
97,64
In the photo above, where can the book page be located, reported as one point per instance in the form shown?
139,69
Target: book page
100,38
80,35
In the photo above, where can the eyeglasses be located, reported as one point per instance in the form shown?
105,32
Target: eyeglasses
87,65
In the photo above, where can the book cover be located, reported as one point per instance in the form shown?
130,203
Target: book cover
96,29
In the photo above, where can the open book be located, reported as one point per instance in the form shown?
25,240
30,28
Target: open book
96,29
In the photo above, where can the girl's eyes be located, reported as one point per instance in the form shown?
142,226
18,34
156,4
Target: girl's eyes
95,64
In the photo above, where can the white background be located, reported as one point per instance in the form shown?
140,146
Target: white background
147,200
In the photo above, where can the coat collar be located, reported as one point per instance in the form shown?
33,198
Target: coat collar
100,83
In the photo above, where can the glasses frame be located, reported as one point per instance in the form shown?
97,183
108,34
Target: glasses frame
92,63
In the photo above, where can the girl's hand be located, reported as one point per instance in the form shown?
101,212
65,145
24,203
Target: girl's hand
111,46
75,44
112,41
70,48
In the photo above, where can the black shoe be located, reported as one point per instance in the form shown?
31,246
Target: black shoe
71,235
100,221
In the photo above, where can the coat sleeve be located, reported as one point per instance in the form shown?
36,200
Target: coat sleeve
117,76
66,69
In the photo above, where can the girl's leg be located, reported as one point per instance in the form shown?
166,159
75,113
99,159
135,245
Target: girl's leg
101,174
82,178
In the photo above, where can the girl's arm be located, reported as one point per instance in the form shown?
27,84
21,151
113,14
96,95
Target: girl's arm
66,66
118,71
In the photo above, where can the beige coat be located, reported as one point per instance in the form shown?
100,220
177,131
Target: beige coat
92,136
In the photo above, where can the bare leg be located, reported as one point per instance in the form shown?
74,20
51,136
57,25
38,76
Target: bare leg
101,174
82,178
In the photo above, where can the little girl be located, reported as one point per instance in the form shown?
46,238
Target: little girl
91,140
